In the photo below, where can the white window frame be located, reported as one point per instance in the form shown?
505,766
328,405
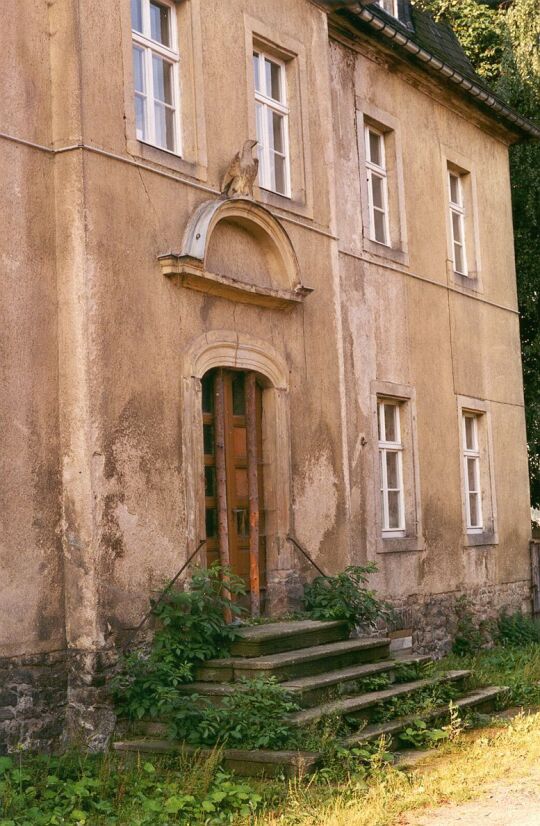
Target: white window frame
386,447
267,173
171,54
472,454
389,6
457,208
380,171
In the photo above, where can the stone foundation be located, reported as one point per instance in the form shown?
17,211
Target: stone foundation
33,693
433,618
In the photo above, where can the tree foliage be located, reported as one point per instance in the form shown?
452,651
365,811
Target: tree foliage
502,40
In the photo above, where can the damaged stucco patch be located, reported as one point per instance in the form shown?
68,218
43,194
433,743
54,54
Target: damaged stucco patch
315,500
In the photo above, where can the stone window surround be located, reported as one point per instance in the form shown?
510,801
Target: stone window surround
369,115
413,539
194,159
489,536
453,161
292,53
227,348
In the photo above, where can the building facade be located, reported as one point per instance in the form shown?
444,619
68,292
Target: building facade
334,359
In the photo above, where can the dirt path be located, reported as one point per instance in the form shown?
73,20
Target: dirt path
506,804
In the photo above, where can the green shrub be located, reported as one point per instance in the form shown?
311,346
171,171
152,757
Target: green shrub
345,597
191,629
254,717
418,735
516,630
470,637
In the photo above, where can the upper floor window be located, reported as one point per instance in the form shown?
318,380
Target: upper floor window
390,6
457,222
377,181
272,116
391,468
155,73
471,473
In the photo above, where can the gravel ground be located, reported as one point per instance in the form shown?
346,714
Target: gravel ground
506,804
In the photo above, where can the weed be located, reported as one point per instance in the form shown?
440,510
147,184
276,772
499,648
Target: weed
470,637
516,630
345,597
418,735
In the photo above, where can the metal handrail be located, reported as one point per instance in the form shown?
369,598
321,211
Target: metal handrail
303,551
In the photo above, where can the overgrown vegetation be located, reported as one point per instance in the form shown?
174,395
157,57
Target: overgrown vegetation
501,40
190,629
345,597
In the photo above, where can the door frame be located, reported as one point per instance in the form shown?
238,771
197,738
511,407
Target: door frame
228,349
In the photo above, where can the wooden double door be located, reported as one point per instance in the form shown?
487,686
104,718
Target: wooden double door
233,476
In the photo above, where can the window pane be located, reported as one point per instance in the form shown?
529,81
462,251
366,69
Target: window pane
138,69
208,439
208,393
136,15
273,80
454,189
210,481
256,76
391,430
470,441
159,24
379,227
140,117
392,465
474,510
375,148
459,262
456,226
279,168
238,394
162,74
211,522
471,474
242,521
377,191
275,128
164,120
394,519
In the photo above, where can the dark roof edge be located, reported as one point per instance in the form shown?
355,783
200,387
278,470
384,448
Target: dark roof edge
397,36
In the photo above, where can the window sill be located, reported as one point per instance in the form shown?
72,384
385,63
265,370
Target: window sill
400,544
383,251
167,159
474,540
467,283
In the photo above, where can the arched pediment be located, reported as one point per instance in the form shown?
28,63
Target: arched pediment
237,249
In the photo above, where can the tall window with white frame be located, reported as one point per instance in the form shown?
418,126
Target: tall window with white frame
155,73
272,114
457,222
377,183
391,468
471,473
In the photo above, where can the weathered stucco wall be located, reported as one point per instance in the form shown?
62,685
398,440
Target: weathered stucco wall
99,483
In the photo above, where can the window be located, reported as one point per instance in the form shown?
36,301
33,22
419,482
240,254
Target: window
272,115
471,473
155,73
389,6
457,222
377,186
391,468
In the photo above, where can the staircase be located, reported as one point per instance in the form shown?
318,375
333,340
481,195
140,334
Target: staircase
328,674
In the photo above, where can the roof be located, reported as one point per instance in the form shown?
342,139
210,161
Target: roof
434,47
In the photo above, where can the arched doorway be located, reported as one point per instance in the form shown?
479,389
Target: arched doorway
233,476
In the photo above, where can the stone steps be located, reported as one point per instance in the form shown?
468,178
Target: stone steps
260,640
308,691
481,700
362,706
291,664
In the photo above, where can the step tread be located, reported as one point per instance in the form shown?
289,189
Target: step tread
271,630
376,730
347,705
268,661
161,746
299,684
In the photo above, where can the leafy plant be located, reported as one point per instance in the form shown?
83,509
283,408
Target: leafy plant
345,597
419,735
191,629
516,630
470,637
254,717
377,682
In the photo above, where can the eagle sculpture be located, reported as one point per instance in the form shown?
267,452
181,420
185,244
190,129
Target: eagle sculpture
240,176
